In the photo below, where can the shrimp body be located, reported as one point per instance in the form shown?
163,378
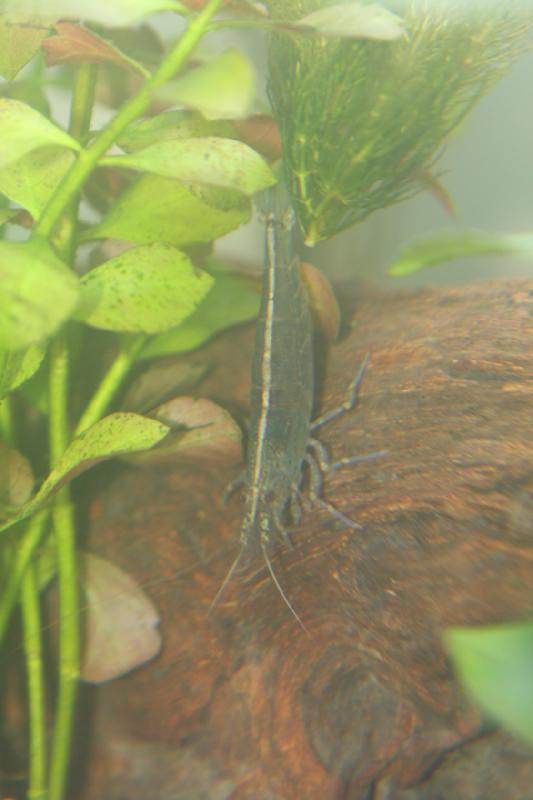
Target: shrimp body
282,388
280,437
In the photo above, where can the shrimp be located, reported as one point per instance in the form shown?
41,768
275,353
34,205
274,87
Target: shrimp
280,439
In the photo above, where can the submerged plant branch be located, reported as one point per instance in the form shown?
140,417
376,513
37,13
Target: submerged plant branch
111,382
69,642
31,615
64,526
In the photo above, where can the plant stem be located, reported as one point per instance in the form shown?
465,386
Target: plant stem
80,122
65,539
111,383
58,397
69,642
6,420
64,529
81,110
62,512
88,158
31,615
21,559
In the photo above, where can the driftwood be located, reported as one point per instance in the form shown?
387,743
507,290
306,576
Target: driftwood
244,704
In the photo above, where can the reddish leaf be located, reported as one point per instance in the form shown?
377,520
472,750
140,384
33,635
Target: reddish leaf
161,380
121,623
75,44
440,193
262,133
206,435
322,300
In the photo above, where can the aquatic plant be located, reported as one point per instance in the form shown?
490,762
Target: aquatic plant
363,121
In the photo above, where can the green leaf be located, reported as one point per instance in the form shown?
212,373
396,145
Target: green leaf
22,129
145,290
159,380
37,293
32,179
159,209
495,666
227,163
449,245
107,12
29,89
17,366
114,435
223,88
355,21
20,39
169,126
232,300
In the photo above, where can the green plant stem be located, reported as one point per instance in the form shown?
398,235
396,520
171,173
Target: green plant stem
88,158
6,420
80,122
69,642
62,512
111,383
22,557
65,540
64,529
58,430
31,615
81,110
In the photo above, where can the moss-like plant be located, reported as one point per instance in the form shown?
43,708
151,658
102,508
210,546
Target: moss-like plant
362,122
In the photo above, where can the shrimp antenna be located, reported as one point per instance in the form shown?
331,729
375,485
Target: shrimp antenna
280,589
227,579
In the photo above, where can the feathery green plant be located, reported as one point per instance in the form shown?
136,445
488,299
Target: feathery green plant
362,122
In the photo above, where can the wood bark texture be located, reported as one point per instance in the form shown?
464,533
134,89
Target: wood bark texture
243,704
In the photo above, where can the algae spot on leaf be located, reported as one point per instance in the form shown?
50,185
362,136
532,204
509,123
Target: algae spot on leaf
169,126
20,40
227,163
32,179
233,299
146,289
111,436
157,209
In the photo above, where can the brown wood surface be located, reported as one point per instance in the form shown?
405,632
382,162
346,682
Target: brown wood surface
244,704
